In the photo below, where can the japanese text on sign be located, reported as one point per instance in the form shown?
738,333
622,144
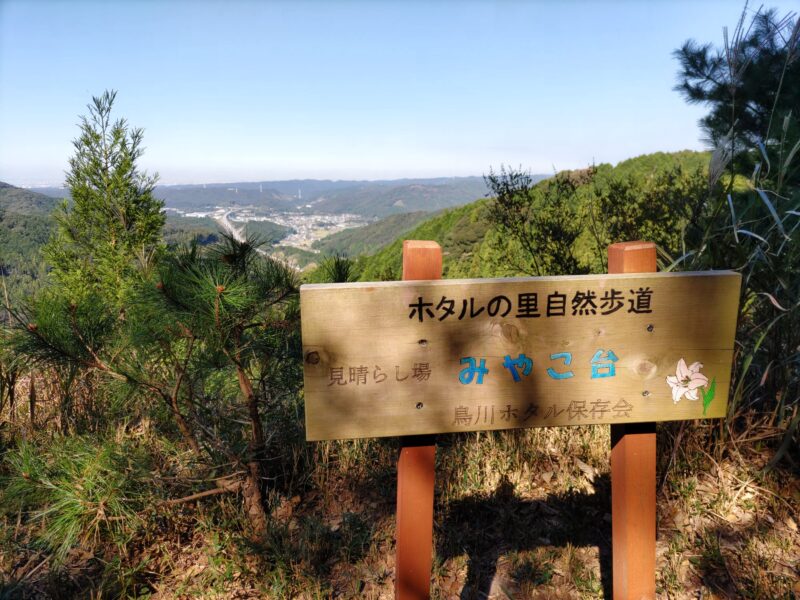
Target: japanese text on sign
555,304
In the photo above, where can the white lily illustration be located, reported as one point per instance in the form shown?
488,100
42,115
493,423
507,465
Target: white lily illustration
686,381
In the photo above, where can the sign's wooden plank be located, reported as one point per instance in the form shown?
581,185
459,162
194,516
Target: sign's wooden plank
408,358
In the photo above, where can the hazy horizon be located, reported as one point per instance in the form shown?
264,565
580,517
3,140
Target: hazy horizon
257,181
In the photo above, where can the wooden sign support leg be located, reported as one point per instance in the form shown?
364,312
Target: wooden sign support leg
633,471
415,467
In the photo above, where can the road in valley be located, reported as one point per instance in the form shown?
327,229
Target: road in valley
227,225
239,235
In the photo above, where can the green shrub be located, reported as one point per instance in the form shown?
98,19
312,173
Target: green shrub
82,492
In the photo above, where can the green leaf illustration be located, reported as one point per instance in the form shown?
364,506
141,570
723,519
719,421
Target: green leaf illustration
708,395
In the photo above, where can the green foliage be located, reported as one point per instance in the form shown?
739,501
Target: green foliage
229,290
25,225
657,206
10,369
211,333
113,219
544,220
24,202
57,331
648,165
82,491
757,231
291,255
466,232
67,337
206,314
336,269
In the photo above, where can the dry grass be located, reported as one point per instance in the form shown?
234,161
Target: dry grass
724,527
522,514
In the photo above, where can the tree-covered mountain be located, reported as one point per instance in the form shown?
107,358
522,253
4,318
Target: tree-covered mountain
24,202
267,231
182,230
199,197
25,225
472,247
380,200
370,238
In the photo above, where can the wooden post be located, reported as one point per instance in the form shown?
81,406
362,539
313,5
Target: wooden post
633,471
415,467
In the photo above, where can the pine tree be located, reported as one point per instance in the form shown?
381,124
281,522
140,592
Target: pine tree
114,220
212,334
230,312
751,84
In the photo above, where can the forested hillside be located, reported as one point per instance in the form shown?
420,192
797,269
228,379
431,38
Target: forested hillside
643,188
370,238
25,225
26,222
379,201
182,230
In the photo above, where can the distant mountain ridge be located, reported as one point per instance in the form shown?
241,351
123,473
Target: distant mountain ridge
386,199
371,199
24,202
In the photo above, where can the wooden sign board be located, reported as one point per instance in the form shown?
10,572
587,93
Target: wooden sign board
423,357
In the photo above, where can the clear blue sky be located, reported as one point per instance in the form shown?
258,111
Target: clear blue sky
271,90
